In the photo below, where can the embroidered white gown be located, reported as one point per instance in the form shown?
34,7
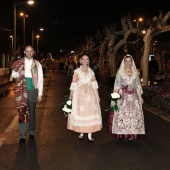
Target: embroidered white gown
86,113
129,120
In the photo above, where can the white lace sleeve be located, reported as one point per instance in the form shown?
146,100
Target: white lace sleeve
74,81
95,84
117,83
73,86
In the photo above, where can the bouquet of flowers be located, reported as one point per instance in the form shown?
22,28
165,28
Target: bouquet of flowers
114,98
113,107
67,106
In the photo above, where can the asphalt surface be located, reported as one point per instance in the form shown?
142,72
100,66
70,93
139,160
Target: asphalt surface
56,148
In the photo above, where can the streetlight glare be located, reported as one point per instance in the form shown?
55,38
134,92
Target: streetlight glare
33,30
140,19
37,36
143,31
21,14
30,2
137,21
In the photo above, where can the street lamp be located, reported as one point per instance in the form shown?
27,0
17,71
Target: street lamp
33,32
30,3
137,25
37,37
24,16
11,45
143,32
137,21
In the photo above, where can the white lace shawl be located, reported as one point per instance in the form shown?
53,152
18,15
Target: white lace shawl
121,73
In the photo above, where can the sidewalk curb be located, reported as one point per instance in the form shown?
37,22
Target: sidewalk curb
162,114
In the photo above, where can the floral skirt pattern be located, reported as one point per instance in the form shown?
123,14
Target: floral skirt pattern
86,113
129,120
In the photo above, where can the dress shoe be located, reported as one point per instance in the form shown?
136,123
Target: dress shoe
90,140
22,141
80,138
31,137
131,139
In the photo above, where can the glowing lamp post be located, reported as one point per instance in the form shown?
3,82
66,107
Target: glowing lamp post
137,24
24,16
33,32
137,21
14,37
11,45
37,37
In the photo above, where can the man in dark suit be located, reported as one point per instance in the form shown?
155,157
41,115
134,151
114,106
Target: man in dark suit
153,69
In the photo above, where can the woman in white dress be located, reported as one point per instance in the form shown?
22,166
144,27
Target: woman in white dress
128,121
85,116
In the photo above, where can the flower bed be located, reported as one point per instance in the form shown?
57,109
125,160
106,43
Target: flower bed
157,96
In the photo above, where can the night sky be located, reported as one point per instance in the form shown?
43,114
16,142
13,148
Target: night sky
67,22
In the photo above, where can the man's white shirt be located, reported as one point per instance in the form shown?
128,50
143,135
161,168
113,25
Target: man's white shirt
28,74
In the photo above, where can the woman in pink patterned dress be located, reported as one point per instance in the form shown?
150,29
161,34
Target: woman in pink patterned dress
128,122
85,116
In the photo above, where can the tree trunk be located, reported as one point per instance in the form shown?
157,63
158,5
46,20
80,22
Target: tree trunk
113,63
102,51
147,47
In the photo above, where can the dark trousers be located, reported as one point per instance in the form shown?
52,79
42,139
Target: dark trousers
29,127
152,79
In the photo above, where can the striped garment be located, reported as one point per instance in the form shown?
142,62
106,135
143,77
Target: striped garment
21,91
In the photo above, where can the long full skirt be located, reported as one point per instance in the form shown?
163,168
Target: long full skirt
86,113
128,122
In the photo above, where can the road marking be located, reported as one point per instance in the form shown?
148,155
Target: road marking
8,129
12,124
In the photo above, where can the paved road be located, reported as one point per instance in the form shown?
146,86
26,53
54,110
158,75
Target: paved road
56,148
